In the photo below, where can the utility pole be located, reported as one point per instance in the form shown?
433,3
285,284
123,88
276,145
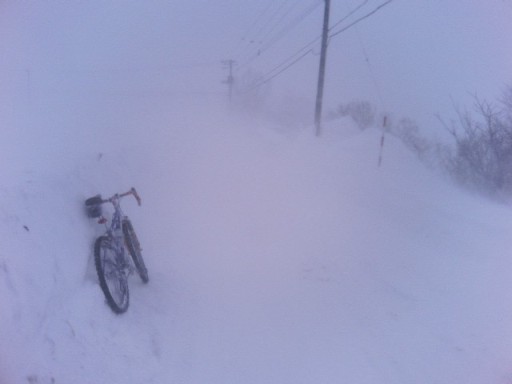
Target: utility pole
321,70
230,80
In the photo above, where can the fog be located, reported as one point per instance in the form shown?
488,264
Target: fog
274,256
411,58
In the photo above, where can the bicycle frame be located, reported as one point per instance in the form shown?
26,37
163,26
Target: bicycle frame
115,233
115,222
114,230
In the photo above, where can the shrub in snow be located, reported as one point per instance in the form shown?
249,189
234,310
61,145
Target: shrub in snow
362,112
482,155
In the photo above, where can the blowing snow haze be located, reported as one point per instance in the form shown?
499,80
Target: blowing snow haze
411,58
274,256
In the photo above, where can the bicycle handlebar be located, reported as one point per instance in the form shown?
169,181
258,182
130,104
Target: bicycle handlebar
132,191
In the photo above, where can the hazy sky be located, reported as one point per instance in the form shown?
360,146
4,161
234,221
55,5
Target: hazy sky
410,58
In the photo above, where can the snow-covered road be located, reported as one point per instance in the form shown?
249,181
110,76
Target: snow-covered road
273,258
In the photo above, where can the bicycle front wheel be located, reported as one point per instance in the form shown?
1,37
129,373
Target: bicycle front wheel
113,279
133,245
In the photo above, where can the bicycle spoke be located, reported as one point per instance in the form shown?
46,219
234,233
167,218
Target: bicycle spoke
111,273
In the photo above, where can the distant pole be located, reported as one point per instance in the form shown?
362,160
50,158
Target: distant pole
230,80
321,70
384,123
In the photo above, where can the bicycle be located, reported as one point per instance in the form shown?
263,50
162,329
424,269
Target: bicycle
112,264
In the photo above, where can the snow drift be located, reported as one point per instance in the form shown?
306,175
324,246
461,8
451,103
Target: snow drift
273,258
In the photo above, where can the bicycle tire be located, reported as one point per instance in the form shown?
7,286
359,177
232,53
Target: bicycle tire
133,246
113,280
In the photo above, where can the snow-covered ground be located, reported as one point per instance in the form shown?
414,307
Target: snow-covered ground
274,257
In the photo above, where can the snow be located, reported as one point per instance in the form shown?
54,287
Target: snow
274,256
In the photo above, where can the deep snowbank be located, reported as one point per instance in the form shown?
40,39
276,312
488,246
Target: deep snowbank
273,258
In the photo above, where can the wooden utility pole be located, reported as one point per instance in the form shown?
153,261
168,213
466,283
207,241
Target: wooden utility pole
230,80
321,70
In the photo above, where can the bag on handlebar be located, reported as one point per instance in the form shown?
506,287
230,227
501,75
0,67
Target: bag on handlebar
93,206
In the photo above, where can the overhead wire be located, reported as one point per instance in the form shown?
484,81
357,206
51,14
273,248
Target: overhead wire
294,55
270,36
271,20
361,43
279,20
359,19
258,18
372,72
304,51
252,36
267,79
349,14
293,23
370,67
287,63
282,33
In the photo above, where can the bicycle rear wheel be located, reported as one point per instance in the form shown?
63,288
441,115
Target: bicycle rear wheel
113,280
133,245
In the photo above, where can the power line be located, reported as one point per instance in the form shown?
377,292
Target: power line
270,36
305,50
360,19
279,20
291,25
270,20
370,67
256,21
349,14
259,84
288,62
278,36
246,36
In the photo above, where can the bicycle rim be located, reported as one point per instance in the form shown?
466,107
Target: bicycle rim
112,278
133,246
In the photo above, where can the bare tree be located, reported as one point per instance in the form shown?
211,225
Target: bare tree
483,147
